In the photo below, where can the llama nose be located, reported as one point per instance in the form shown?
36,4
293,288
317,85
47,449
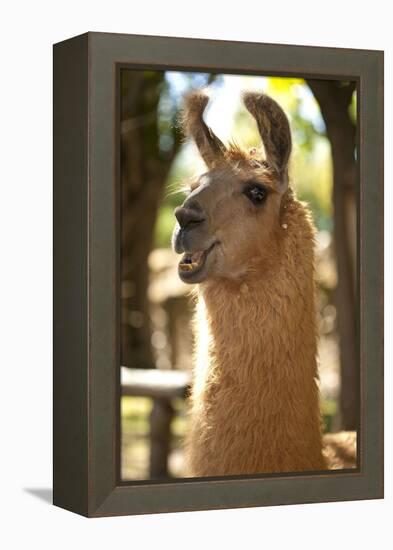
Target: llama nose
188,216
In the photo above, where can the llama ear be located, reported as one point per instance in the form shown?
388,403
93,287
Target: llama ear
210,147
274,129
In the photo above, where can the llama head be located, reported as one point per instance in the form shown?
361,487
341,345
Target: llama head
230,222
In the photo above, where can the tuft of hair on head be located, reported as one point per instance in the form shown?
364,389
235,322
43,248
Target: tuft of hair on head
211,148
236,153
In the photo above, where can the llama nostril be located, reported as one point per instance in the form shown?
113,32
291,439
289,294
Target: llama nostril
188,216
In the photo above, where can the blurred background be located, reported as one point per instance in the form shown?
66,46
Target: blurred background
156,340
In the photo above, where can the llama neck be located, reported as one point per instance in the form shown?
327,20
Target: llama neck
255,389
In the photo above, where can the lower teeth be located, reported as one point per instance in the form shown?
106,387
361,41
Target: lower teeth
188,267
191,261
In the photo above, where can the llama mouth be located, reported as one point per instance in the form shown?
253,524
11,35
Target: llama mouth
193,262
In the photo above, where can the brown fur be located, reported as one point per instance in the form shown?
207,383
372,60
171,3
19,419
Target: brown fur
255,408
339,450
255,399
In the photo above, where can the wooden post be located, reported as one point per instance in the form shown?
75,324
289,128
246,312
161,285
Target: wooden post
160,435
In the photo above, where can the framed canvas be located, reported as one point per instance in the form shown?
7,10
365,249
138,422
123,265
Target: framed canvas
147,417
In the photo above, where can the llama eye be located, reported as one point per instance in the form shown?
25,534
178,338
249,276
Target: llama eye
256,194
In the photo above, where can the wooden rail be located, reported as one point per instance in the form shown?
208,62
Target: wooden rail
162,386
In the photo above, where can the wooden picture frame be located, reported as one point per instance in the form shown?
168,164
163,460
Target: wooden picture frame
86,274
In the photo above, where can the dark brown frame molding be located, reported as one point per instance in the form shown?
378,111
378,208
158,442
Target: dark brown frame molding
86,273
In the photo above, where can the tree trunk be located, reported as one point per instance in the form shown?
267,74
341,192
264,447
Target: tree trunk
334,99
144,169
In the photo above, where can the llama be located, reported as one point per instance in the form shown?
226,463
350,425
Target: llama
249,245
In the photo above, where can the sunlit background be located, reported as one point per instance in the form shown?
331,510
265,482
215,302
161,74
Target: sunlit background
157,307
